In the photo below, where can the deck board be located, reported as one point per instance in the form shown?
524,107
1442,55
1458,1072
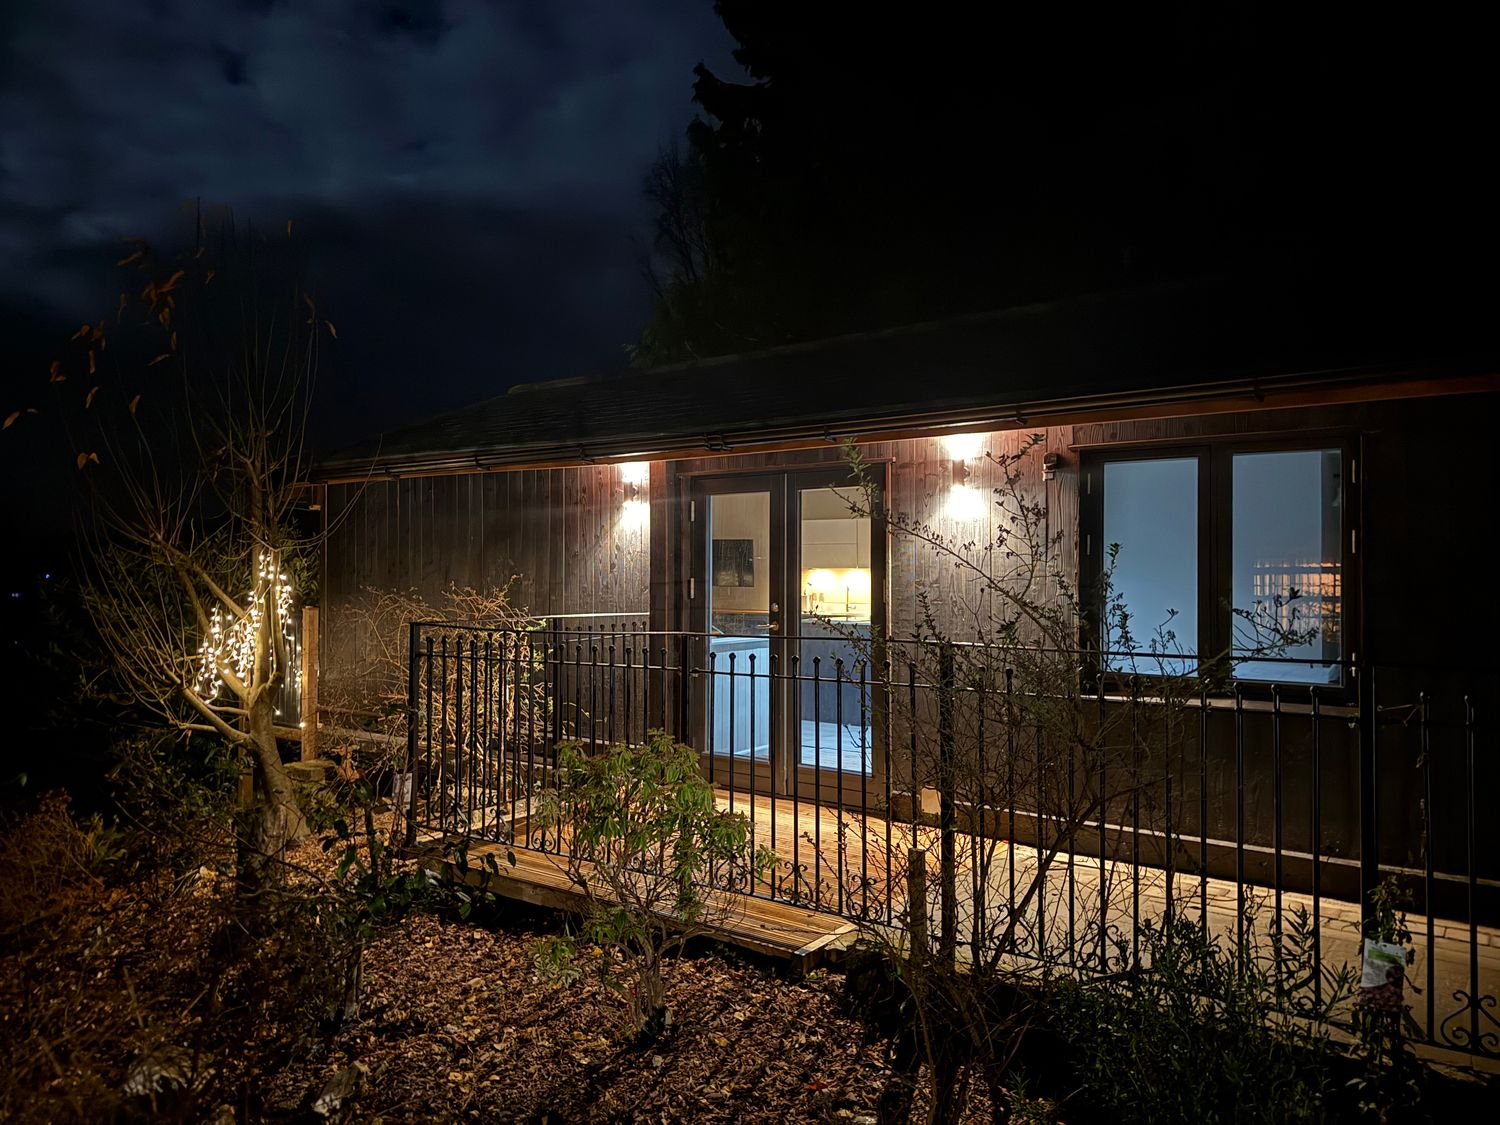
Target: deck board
841,863
781,930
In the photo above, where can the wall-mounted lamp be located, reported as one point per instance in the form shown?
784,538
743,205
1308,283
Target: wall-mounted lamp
633,474
963,447
636,511
1050,463
964,500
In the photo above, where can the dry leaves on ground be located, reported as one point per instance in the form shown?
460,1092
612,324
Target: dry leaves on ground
458,1025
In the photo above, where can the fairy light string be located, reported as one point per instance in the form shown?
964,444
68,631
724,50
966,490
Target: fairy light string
230,644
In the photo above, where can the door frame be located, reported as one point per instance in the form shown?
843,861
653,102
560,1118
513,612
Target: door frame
720,768
784,774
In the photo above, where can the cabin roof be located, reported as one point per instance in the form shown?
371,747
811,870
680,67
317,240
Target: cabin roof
1082,356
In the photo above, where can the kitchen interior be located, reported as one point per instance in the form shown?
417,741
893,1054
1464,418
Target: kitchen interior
832,622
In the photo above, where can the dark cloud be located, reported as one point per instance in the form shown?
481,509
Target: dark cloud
422,20
482,157
232,63
519,294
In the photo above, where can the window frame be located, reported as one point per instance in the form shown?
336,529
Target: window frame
1215,458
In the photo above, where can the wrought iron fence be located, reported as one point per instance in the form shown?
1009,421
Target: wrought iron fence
1061,819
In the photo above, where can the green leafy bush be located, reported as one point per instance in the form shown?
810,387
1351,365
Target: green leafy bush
1204,1031
646,846
173,801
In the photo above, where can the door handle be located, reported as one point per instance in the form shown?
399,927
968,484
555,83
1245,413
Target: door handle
770,627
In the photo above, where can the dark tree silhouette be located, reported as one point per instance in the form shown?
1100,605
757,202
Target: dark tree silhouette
886,164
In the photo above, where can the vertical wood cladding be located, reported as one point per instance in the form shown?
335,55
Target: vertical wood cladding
562,535
559,536
1427,471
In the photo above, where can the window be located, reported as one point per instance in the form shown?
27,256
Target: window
1237,551
1151,512
1286,569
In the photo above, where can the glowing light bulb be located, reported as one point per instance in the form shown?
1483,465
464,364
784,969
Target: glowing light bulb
963,447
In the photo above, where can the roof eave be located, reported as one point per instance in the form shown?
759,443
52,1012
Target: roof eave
1229,395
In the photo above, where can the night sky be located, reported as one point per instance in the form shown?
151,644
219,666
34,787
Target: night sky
467,172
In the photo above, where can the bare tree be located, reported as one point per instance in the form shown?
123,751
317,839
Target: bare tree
674,187
187,412
1033,725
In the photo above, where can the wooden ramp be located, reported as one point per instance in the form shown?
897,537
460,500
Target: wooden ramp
803,938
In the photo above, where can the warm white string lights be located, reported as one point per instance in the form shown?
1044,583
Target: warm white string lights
230,643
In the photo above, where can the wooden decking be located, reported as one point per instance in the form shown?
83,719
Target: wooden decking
794,934
839,865
854,863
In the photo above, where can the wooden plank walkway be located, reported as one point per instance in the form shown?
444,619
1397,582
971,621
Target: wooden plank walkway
803,938
840,861
839,864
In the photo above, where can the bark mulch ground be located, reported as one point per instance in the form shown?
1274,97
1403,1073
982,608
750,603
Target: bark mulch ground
100,983
458,1025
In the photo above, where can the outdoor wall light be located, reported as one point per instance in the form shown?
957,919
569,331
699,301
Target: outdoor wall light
635,514
963,447
965,502
636,511
633,474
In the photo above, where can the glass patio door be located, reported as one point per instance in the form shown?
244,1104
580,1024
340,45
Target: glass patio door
738,606
832,618
787,595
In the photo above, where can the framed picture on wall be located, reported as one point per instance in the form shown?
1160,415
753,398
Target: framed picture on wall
734,562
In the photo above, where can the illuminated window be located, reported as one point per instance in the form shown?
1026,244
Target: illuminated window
1286,570
1220,552
1151,512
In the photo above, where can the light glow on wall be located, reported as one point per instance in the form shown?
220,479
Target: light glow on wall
635,514
963,447
635,472
966,503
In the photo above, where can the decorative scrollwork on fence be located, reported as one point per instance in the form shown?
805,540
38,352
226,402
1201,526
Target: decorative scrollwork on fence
790,883
1472,1026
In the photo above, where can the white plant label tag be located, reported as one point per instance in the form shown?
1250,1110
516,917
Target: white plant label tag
1382,976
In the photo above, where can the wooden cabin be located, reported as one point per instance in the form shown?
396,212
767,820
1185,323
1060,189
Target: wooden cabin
1239,447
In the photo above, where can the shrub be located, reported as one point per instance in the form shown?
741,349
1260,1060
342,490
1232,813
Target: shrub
1201,1031
174,801
646,842
69,1017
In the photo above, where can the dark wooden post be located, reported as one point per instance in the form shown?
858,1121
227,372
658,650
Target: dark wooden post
1369,790
309,693
916,901
684,671
557,684
947,808
413,720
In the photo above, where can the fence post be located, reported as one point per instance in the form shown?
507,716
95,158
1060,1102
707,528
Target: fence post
684,695
947,808
557,692
413,704
1369,795
309,693
916,900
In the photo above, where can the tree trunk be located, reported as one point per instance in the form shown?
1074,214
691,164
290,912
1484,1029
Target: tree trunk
275,822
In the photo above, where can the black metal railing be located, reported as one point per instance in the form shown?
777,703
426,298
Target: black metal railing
1058,821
